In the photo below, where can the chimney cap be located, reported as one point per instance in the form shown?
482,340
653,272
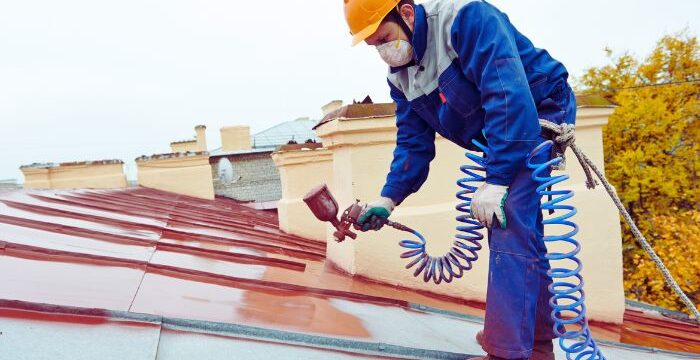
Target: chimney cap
38,165
359,111
201,127
171,155
183,141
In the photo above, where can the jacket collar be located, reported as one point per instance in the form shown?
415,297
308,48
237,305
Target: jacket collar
420,33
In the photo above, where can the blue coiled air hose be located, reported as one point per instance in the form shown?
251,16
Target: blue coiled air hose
464,250
567,301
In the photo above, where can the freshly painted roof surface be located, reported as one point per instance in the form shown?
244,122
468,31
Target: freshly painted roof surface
144,274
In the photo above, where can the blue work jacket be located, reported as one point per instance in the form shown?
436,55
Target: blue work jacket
474,76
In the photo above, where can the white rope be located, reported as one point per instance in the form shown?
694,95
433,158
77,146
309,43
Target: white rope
564,136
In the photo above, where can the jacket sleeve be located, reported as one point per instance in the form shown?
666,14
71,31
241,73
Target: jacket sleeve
415,148
488,55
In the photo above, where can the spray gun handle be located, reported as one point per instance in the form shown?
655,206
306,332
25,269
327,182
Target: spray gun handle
347,219
340,234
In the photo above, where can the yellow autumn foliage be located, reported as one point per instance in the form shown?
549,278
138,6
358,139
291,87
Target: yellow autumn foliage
676,242
652,157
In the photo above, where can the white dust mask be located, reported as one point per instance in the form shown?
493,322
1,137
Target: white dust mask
396,53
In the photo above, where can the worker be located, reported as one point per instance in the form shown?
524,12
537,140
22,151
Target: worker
461,69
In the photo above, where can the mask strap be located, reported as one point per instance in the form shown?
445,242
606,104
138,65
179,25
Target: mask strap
397,43
402,23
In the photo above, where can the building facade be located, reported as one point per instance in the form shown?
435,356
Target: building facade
243,169
246,176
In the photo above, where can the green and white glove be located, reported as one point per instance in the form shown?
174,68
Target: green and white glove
489,201
375,214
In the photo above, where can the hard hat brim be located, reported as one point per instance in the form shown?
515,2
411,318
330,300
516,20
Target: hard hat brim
365,33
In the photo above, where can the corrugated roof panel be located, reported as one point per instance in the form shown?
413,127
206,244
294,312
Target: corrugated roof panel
85,244
51,206
28,216
59,281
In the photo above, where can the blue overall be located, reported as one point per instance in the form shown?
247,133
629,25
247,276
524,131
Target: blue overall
474,76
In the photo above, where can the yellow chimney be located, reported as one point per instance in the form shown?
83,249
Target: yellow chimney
201,131
235,138
36,176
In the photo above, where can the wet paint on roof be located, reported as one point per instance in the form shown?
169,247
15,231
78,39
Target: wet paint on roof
184,276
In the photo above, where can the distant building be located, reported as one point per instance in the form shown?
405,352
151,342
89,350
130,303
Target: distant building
89,174
9,184
184,170
242,168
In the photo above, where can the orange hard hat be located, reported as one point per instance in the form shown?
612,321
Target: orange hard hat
364,16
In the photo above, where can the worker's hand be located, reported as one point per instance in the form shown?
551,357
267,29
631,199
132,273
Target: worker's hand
488,202
375,214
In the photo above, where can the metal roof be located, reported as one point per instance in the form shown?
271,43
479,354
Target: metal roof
219,152
298,130
144,274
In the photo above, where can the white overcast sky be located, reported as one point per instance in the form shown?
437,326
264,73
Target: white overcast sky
89,80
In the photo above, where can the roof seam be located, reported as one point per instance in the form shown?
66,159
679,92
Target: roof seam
323,342
160,334
155,248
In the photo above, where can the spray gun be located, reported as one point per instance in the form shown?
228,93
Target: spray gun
325,208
